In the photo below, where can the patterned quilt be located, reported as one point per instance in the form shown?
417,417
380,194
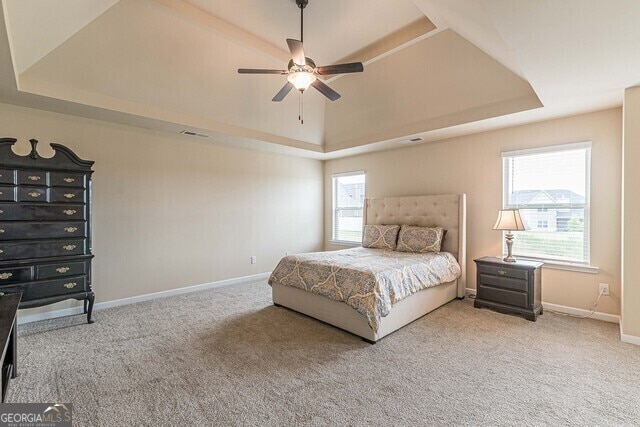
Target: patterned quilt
369,280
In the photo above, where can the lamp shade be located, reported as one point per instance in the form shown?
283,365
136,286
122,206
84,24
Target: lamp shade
509,219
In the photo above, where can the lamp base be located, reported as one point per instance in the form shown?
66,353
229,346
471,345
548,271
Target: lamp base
509,239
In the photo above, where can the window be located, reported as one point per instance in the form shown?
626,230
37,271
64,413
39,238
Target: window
550,186
348,200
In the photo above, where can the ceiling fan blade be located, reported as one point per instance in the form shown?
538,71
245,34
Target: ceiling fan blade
325,90
297,52
260,71
283,92
352,67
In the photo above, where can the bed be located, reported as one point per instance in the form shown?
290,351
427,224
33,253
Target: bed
394,310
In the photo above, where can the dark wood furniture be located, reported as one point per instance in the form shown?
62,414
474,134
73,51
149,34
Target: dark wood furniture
45,226
509,287
8,309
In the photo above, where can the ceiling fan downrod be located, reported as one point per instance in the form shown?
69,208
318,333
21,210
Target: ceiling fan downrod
302,4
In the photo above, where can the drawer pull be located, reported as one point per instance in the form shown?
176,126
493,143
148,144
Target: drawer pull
1,251
70,285
69,180
1,231
0,193
34,194
69,247
62,270
69,196
5,276
68,212
502,272
71,229
1,294
1,211
34,178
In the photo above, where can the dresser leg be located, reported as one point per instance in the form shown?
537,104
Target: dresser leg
90,298
86,302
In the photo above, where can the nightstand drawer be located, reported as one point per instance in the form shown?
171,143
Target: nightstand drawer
503,271
503,296
504,282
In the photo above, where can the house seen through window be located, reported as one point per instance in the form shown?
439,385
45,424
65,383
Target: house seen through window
348,202
550,186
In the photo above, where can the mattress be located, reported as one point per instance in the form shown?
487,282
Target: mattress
369,280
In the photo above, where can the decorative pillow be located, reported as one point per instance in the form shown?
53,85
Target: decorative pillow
380,236
420,239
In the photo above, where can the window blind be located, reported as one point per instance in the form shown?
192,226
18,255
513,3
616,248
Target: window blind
550,186
348,202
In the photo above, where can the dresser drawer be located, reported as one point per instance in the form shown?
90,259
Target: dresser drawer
33,178
67,195
15,275
503,296
504,282
41,230
33,194
7,176
503,271
52,288
61,269
24,212
23,250
64,179
7,193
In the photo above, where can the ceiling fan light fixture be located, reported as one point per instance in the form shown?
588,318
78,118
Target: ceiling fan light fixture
302,79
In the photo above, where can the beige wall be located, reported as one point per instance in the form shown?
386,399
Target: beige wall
472,165
171,211
631,207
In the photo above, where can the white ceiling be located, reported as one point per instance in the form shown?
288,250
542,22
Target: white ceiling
171,64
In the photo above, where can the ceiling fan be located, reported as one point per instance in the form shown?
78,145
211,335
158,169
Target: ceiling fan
302,72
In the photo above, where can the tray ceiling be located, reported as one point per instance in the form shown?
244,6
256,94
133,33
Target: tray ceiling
433,68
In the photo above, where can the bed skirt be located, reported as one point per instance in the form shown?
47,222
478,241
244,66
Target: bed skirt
343,316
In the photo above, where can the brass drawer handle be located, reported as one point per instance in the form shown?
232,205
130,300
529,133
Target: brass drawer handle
69,212
1,251
502,272
1,211
71,229
69,180
34,178
0,193
69,247
34,194
1,231
62,270
5,276
69,195
70,285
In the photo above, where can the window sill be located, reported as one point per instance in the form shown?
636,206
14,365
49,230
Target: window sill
344,243
568,266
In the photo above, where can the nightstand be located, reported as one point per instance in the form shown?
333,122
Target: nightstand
509,287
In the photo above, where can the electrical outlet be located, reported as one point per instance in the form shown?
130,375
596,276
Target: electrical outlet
254,259
603,288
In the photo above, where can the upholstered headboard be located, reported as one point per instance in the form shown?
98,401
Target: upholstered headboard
448,211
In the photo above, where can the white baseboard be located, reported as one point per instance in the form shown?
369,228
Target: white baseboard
598,315
571,310
631,339
28,318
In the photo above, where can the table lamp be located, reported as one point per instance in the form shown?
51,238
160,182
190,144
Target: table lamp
509,220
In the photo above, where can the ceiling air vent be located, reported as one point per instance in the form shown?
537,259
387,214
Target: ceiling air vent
192,133
409,141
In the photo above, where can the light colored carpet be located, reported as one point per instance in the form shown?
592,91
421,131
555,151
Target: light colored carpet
228,357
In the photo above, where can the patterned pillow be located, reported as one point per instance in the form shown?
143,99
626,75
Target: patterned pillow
380,236
420,239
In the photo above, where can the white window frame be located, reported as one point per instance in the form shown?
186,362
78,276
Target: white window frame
585,265
334,193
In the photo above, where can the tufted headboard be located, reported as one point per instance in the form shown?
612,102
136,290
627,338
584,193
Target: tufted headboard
448,211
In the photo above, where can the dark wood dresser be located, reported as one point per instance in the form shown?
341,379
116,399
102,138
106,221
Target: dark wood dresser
45,226
509,287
